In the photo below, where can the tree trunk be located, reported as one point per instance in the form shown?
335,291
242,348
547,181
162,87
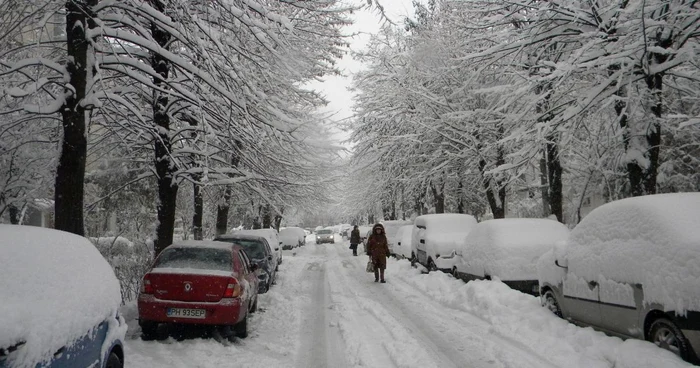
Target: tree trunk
197,218
438,197
165,167
222,212
393,210
498,209
653,132
278,222
266,217
70,173
460,197
370,219
15,214
222,208
554,172
544,189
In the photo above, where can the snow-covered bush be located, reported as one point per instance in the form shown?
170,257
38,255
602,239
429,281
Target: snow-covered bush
129,260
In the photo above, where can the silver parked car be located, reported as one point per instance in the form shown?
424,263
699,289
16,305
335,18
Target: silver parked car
325,236
630,269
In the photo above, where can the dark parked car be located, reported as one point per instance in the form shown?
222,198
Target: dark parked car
202,283
60,301
259,252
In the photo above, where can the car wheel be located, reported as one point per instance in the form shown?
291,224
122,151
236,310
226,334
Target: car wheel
666,335
241,328
549,301
113,361
149,330
431,266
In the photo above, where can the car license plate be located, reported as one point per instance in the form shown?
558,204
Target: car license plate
186,313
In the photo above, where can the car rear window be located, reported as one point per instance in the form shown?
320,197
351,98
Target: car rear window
324,232
197,258
253,248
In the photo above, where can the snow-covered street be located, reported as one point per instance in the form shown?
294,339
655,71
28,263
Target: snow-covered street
326,311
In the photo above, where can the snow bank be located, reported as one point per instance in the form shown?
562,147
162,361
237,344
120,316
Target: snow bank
653,240
55,288
510,248
520,318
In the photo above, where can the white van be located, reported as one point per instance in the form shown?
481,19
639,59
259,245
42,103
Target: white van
436,237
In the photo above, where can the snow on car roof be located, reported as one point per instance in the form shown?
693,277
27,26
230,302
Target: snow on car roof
56,287
240,236
446,222
510,248
653,240
201,244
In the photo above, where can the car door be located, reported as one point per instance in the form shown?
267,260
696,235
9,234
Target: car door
421,250
84,352
581,299
269,259
249,275
620,305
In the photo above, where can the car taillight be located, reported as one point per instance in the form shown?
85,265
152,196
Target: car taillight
146,287
233,289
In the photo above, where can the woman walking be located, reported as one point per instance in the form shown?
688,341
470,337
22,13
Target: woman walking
355,240
378,251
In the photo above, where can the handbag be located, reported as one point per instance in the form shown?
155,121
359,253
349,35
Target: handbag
370,267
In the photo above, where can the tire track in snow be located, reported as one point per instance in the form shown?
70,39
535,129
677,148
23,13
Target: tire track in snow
519,356
373,337
321,344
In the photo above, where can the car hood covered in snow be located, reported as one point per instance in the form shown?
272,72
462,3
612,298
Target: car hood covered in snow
56,287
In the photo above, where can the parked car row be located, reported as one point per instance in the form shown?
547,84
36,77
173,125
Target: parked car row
214,283
631,268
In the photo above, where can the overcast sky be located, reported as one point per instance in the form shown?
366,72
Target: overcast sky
366,22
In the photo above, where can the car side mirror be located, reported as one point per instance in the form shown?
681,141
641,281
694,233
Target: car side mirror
269,258
277,248
556,262
254,267
422,241
398,243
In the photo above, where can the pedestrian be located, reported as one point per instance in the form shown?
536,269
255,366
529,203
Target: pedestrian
378,251
355,239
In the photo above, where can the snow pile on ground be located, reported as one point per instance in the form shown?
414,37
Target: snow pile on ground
520,317
55,288
510,248
653,240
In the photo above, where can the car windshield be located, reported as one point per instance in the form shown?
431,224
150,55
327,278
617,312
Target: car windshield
195,257
325,232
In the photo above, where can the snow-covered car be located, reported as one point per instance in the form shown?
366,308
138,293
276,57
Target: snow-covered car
391,228
199,283
325,236
273,239
508,249
59,303
632,268
403,241
437,236
292,237
260,253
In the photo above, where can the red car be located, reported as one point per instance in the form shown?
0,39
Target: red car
202,283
